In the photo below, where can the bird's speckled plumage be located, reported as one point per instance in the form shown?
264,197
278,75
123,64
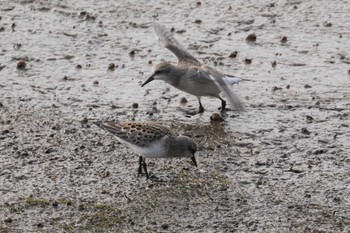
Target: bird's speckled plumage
151,140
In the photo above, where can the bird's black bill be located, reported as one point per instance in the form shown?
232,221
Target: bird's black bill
194,161
150,79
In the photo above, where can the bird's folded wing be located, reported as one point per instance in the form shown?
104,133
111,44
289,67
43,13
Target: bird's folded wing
166,38
224,86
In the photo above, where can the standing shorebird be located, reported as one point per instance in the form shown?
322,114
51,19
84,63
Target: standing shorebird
151,140
190,75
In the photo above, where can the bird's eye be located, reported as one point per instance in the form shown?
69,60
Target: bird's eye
157,72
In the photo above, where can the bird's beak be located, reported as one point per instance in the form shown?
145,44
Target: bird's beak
194,160
150,79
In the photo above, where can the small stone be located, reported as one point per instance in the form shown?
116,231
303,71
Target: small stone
135,105
40,225
216,117
96,82
327,24
284,39
55,204
132,53
274,64
233,54
348,72
198,3
150,62
165,226
198,21
248,61
305,131
251,38
8,220
183,100
307,86
274,88
21,64
79,66
309,119
288,86
111,66
65,78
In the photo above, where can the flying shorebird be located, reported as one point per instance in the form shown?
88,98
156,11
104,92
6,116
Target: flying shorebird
190,76
151,140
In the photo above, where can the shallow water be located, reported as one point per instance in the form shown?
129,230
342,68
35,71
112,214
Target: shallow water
281,165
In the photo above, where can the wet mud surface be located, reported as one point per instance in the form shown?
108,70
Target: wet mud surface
282,165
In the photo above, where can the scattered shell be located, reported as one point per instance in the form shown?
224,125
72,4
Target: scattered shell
21,64
233,54
284,39
135,105
251,38
216,117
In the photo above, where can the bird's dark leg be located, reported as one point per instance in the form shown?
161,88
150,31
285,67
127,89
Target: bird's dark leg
145,167
223,104
140,165
201,109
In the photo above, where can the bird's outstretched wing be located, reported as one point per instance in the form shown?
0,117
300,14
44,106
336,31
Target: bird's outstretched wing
221,82
166,38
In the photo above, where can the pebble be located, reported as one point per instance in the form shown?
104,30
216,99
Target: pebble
248,61
8,220
216,117
233,54
21,64
96,82
111,66
183,100
135,105
284,40
274,64
251,38
305,131
307,86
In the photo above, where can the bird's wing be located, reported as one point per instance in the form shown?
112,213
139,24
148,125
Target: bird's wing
138,133
221,82
166,38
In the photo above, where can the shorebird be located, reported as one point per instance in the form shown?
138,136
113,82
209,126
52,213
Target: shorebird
190,76
151,140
